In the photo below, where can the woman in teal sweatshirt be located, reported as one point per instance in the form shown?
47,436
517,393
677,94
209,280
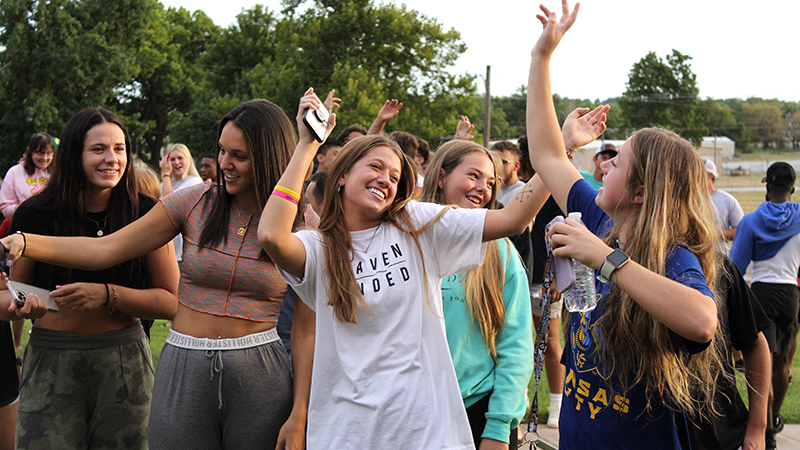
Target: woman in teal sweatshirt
487,308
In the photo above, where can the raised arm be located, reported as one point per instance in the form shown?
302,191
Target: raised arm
143,236
546,145
388,111
275,226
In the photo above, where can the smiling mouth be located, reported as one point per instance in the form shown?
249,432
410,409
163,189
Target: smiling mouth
474,200
231,177
377,193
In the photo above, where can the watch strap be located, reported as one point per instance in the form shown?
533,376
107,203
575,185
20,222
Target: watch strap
608,267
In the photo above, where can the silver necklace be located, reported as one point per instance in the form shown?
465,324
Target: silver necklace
99,227
373,237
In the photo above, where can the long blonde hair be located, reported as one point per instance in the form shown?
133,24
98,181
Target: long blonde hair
483,285
675,212
343,293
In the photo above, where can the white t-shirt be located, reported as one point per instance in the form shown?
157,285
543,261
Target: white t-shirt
190,180
388,381
727,214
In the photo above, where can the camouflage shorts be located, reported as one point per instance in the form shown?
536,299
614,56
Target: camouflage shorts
85,397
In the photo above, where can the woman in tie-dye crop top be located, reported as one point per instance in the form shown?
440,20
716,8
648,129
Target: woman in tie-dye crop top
230,292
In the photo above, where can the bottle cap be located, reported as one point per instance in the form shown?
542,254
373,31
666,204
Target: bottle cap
575,215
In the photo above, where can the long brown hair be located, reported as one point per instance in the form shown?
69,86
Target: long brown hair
343,293
675,212
483,285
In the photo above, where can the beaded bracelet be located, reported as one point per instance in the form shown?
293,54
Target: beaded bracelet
114,302
286,190
286,196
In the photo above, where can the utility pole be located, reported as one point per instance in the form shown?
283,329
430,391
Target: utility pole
488,110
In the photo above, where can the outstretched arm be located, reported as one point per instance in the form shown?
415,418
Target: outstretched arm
138,238
518,213
546,144
388,111
275,226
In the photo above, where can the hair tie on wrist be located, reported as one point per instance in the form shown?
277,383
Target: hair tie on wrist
24,243
108,295
286,196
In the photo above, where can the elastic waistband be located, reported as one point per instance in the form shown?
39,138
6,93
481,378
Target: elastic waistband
192,343
68,340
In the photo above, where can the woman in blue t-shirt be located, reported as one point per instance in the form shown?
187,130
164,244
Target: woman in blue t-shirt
638,357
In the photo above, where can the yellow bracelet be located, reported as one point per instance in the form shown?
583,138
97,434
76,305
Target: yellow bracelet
286,190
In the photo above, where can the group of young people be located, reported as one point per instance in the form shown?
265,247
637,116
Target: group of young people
411,322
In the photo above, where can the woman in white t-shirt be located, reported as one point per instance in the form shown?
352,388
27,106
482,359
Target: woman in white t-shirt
177,172
371,321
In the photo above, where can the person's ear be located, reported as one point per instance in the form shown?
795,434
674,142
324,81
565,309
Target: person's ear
517,165
440,182
638,196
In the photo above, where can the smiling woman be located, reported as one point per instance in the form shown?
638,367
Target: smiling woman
230,293
68,392
370,323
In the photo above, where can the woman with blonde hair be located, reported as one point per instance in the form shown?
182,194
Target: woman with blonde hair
649,354
486,308
177,169
178,172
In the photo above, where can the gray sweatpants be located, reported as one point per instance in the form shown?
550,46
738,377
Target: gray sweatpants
220,399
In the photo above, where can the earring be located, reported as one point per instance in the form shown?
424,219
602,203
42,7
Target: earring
339,189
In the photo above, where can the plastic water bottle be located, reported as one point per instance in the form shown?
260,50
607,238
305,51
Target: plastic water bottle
582,296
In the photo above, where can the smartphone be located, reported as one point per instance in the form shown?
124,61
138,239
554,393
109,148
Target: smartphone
317,122
20,291
564,271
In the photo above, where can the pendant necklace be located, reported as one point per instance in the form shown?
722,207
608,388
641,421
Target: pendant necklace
99,227
243,229
373,237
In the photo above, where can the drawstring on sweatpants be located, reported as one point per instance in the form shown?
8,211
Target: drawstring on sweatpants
216,366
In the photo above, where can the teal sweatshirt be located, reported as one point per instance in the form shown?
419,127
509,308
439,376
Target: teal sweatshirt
505,379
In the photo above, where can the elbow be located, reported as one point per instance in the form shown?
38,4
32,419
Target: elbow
267,238
705,329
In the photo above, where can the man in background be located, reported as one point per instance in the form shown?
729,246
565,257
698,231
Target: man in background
208,168
603,153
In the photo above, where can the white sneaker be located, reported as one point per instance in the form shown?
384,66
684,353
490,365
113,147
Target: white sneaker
552,420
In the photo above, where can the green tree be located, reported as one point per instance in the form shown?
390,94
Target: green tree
61,56
662,93
168,78
763,122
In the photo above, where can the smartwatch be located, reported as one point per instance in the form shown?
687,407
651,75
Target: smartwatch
614,261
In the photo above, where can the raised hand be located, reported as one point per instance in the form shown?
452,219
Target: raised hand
390,110
331,101
464,129
311,101
583,126
553,29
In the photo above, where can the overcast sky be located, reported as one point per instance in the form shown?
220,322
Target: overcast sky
739,49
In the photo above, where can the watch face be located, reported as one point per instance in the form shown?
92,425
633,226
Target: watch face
617,257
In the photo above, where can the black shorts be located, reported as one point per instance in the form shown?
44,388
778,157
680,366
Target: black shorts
9,377
781,302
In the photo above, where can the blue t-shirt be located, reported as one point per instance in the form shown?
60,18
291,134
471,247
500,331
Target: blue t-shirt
590,413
